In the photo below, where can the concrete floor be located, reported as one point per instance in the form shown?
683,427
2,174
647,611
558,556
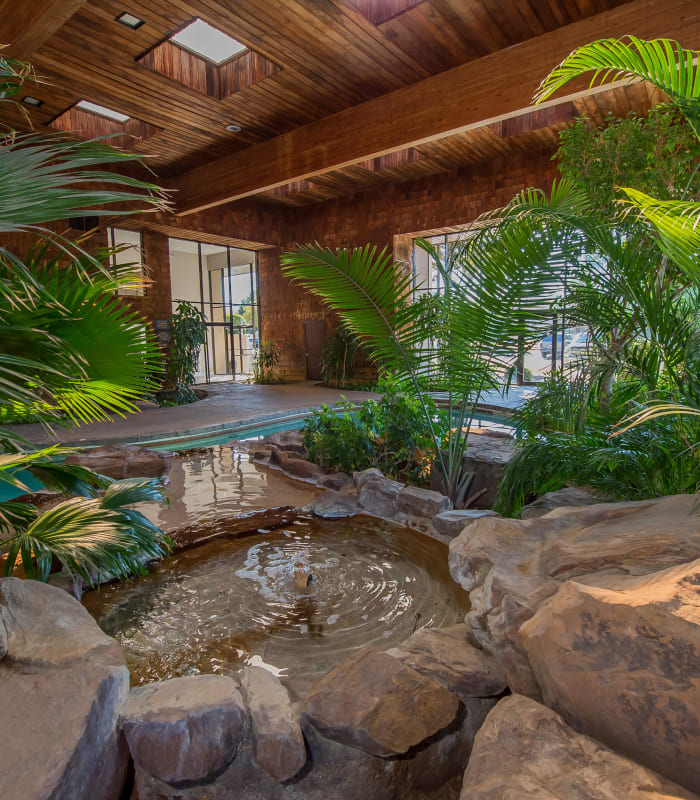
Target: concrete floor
226,404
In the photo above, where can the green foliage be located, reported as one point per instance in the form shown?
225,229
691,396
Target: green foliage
188,333
390,434
68,350
338,357
656,155
264,363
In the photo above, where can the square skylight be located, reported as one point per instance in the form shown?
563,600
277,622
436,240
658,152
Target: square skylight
203,40
117,116
130,20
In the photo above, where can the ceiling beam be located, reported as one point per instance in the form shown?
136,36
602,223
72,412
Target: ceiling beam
489,89
26,24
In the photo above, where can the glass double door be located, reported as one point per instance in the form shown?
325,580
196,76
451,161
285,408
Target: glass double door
222,282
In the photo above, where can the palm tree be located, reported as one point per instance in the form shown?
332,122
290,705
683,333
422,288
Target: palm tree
676,71
458,343
68,349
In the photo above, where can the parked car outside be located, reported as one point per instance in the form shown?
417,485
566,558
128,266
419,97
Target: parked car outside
563,339
580,345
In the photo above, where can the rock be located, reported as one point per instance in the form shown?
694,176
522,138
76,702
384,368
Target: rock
278,743
486,457
525,750
422,502
301,469
184,729
569,496
361,478
260,453
291,441
123,461
451,523
335,505
620,660
378,496
73,584
337,772
510,567
234,526
338,481
3,641
62,684
448,657
377,704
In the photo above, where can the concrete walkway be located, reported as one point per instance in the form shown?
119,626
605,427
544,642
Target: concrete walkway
226,405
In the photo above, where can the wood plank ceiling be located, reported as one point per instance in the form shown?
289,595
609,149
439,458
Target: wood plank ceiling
330,56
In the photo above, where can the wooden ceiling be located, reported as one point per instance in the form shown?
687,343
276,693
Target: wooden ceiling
328,55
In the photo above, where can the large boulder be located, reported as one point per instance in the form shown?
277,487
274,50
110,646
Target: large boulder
452,523
568,496
377,704
184,729
123,461
291,441
278,743
379,496
295,467
335,505
620,660
510,567
337,481
417,502
448,657
62,684
525,750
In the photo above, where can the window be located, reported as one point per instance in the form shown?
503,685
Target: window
103,111
129,251
206,41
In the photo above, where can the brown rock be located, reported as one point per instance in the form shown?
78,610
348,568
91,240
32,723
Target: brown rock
235,526
3,641
525,750
452,523
379,496
301,469
510,567
278,743
365,475
291,441
422,502
335,505
184,729
123,461
448,657
62,684
260,453
338,481
569,496
377,704
620,661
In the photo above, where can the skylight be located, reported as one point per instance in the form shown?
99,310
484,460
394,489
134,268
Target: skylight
203,40
117,116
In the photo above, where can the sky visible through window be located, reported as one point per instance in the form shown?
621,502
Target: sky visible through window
204,40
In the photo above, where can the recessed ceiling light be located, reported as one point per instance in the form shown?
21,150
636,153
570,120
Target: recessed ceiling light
208,42
234,128
130,20
32,101
117,116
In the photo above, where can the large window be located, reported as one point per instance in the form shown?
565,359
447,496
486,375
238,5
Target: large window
223,283
129,250
564,344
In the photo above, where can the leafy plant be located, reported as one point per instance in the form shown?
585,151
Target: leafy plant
68,350
390,434
265,361
338,357
188,333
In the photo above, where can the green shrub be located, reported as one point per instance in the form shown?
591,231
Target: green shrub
390,433
187,333
265,361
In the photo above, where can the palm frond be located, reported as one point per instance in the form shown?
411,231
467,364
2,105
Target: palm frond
663,62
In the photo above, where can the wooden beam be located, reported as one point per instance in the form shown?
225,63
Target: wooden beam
26,24
489,89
